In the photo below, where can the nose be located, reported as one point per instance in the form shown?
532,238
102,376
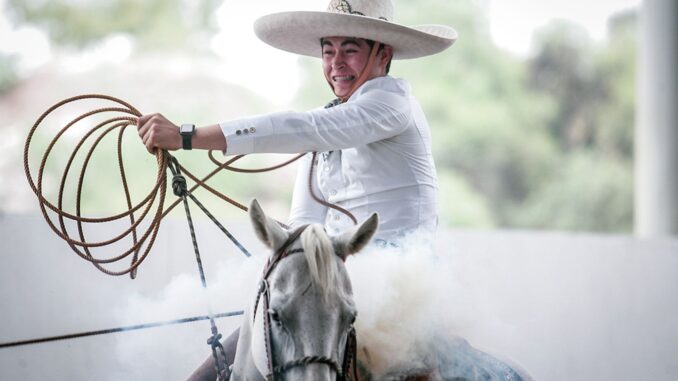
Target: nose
338,61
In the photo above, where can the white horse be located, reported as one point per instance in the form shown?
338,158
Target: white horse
300,324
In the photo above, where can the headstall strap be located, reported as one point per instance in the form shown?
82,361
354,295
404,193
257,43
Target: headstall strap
350,356
281,253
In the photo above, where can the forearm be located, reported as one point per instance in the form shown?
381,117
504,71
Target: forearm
209,137
156,131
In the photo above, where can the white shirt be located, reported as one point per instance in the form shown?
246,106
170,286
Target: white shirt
374,156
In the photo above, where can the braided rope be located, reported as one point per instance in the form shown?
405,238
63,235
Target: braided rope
125,115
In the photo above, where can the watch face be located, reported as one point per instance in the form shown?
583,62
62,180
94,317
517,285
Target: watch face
186,128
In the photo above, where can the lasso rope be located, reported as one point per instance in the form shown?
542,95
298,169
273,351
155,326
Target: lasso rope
126,115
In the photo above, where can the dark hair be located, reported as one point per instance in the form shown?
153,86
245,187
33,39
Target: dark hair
370,43
381,46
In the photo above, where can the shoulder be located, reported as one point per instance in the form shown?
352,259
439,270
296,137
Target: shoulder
386,84
384,90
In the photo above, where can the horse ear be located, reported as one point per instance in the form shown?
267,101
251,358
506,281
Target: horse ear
355,240
267,229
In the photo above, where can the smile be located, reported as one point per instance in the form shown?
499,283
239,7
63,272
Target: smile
340,78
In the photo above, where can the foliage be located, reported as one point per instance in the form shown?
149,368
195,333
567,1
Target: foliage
157,23
587,192
7,73
544,142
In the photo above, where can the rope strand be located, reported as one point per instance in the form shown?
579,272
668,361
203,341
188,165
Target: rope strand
125,115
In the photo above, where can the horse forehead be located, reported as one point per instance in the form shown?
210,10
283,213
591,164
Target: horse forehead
292,276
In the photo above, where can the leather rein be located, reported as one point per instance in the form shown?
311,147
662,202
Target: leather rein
350,352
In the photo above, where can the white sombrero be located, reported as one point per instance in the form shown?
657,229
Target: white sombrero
300,32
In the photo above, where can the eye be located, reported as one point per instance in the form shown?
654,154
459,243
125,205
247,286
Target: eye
274,315
352,317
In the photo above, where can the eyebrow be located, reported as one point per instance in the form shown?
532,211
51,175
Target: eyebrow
348,41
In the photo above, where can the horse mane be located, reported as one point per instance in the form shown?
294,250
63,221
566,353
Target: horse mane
319,253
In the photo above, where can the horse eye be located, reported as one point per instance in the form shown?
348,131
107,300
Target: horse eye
353,317
275,316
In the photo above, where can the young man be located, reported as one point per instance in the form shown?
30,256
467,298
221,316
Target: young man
374,140
375,143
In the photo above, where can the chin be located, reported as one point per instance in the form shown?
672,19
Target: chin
342,93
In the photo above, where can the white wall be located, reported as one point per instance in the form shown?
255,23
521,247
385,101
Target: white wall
564,306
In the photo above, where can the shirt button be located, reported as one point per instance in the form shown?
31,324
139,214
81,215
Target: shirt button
246,131
253,130
333,192
238,132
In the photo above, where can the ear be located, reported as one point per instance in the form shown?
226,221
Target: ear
267,229
355,240
386,54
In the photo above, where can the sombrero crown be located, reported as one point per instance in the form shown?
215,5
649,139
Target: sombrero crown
300,32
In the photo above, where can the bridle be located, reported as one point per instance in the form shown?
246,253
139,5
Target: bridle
350,351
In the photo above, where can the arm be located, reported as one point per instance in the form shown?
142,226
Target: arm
376,115
156,131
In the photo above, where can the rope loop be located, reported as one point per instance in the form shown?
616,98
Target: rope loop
147,213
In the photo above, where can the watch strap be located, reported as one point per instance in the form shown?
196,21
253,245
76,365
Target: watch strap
186,131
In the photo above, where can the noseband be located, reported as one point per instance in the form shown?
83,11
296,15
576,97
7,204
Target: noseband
350,351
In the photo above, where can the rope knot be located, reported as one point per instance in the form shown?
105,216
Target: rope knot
213,340
179,186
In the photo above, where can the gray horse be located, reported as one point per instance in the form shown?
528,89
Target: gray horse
300,324
301,321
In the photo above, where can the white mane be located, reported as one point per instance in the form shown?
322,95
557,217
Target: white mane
320,257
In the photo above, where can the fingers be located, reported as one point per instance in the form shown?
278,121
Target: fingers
156,131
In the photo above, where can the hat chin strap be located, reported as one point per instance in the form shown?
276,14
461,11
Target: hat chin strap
365,73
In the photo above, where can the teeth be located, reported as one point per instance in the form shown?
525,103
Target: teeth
344,78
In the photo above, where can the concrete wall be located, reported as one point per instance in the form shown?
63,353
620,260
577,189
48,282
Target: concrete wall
656,138
563,306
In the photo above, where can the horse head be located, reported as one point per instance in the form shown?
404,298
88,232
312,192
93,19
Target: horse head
301,322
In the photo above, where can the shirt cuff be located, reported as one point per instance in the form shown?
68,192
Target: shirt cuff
241,134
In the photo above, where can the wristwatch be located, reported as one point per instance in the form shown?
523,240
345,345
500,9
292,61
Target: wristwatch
186,131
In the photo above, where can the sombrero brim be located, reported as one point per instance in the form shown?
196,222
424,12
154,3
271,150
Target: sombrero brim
300,32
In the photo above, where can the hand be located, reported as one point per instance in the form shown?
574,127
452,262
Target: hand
158,132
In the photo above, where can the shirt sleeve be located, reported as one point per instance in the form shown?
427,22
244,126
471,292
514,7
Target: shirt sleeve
305,210
376,115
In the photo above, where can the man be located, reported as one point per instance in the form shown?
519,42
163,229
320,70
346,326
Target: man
375,144
374,139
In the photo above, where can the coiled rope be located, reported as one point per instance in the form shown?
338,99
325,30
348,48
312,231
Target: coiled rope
125,115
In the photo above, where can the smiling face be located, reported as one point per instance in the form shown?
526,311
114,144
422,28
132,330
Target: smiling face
344,59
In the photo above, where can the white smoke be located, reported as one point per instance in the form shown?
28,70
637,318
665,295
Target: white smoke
405,298
173,352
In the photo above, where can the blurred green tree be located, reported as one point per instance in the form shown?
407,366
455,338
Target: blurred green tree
511,136
156,23
8,75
